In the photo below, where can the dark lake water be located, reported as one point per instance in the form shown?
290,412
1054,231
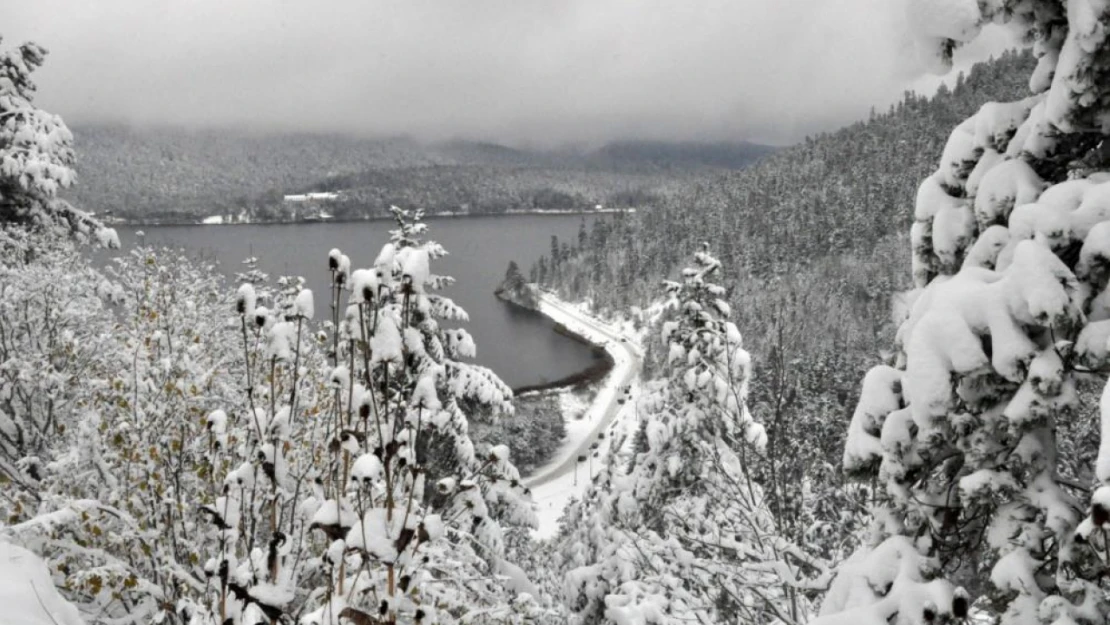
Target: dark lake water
520,346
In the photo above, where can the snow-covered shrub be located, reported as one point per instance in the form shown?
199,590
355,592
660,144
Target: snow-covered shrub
54,320
374,529
114,504
966,433
200,456
407,512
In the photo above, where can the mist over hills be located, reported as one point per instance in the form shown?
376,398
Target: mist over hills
162,174
725,155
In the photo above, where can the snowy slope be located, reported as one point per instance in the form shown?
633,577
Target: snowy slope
27,594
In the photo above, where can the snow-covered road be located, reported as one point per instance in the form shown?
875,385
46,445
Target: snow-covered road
552,485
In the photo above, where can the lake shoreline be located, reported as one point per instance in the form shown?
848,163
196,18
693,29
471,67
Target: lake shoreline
429,216
520,348
594,373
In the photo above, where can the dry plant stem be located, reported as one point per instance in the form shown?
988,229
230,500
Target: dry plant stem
250,383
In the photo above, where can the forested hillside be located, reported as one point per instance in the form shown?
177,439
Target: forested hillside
838,195
814,239
168,174
819,224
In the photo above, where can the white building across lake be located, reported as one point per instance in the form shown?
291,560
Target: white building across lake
326,196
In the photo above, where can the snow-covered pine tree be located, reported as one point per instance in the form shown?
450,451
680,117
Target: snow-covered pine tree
513,278
685,535
980,435
516,289
36,154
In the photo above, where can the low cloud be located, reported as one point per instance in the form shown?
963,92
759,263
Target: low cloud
532,71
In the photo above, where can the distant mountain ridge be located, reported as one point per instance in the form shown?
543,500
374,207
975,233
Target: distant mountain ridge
174,174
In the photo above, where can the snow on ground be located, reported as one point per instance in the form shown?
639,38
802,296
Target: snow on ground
562,478
573,403
27,593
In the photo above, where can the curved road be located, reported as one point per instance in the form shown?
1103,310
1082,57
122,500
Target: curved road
627,360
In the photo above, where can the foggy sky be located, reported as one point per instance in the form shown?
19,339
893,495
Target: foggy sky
520,71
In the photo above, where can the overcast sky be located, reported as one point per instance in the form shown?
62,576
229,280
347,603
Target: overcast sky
520,71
